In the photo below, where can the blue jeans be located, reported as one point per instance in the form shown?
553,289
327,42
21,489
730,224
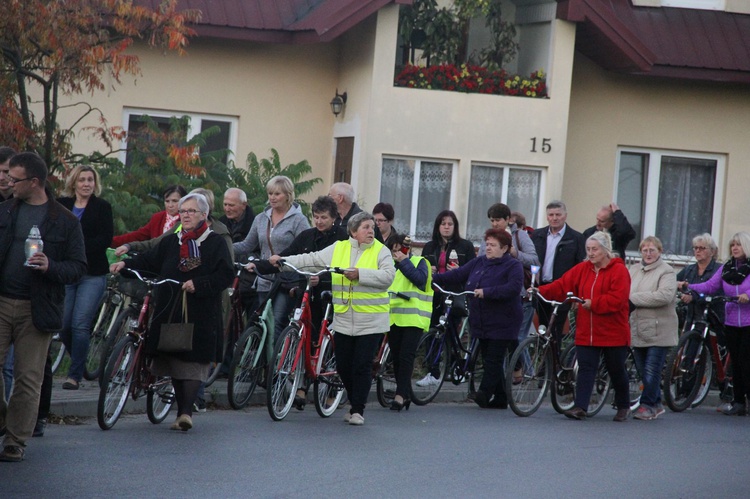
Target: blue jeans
8,373
650,363
82,301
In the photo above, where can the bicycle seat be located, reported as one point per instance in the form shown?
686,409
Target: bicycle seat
326,296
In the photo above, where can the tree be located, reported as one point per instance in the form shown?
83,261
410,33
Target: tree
52,48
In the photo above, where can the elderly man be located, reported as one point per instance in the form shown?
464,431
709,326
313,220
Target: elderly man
614,221
238,216
343,194
32,290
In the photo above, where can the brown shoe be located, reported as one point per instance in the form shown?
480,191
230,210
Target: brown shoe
622,415
12,454
185,422
576,413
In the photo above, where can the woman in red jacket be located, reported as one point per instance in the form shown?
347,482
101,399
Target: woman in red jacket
602,327
160,222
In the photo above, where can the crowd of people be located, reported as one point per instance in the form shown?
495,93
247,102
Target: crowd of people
385,289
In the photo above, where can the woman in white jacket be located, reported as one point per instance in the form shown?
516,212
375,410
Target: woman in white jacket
653,322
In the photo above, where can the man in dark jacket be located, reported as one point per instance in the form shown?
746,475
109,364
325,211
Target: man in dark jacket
343,195
613,220
559,248
238,216
32,290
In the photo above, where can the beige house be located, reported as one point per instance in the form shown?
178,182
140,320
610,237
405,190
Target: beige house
266,71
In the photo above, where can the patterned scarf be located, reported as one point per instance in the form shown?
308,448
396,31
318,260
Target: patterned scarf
170,221
735,272
190,243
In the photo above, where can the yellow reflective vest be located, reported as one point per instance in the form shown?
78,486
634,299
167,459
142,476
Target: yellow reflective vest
416,311
347,293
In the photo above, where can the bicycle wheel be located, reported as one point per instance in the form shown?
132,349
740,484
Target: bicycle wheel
159,400
284,373
527,394
430,367
117,377
232,333
104,326
685,367
602,389
328,386
386,379
564,391
246,368
56,352
705,383
476,371
122,324
635,381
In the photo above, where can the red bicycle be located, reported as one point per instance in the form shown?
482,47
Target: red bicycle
295,356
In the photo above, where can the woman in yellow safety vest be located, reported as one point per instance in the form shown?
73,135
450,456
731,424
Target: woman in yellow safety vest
411,308
360,304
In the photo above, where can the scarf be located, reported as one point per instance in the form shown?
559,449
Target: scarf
170,221
190,243
734,272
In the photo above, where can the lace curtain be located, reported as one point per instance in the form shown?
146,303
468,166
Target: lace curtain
434,196
396,186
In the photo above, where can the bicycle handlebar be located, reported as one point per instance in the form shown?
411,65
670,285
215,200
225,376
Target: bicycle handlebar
568,297
146,280
452,293
326,269
720,298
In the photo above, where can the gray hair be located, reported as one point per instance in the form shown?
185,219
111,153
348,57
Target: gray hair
743,238
241,195
200,199
345,190
604,240
209,195
353,224
557,204
708,240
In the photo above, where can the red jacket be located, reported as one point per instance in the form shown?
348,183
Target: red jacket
154,228
606,324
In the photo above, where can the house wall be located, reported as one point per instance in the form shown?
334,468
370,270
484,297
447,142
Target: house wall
610,110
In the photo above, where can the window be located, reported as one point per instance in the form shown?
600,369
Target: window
517,187
226,138
671,195
418,190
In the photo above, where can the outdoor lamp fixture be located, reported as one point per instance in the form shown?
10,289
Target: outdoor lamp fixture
337,103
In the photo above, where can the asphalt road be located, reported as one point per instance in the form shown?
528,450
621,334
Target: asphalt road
442,450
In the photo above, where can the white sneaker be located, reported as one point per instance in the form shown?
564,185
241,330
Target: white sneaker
357,419
428,380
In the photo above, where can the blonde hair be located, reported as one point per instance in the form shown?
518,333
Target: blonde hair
209,195
744,239
70,183
604,240
652,240
284,184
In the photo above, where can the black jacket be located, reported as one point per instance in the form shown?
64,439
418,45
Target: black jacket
64,248
570,251
98,229
621,232
239,230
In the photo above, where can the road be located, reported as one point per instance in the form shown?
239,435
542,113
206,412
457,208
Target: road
442,450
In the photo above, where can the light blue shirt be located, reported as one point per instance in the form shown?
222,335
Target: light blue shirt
549,256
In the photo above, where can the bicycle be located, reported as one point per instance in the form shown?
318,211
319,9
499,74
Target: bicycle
127,372
698,361
252,352
109,308
295,356
383,374
441,353
546,367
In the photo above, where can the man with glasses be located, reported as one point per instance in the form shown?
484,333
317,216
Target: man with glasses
32,290
613,220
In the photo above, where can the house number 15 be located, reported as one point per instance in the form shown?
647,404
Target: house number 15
546,145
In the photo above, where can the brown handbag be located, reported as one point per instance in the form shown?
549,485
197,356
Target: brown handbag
177,337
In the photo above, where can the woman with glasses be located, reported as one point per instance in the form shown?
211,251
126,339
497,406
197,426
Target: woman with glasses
705,266
160,223
383,213
653,322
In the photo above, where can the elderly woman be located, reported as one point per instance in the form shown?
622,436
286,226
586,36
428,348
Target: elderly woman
82,299
200,259
653,322
705,266
495,313
360,304
602,322
273,231
733,280
160,223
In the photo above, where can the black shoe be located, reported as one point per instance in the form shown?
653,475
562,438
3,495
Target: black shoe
39,427
481,399
497,403
575,413
2,431
737,409
396,406
299,402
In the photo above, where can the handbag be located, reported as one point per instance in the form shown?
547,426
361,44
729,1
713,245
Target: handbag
526,271
177,336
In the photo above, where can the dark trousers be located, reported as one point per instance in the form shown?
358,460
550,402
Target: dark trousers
403,342
45,398
738,344
493,356
354,356
588,364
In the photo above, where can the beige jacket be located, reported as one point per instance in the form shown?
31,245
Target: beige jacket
653,291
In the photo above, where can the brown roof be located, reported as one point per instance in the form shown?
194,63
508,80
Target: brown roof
660,41
279,21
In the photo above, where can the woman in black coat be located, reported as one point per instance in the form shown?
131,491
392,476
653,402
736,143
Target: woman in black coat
82,298
199,258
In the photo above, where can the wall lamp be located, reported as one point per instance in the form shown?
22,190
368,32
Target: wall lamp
337,103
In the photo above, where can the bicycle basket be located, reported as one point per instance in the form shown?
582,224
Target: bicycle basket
133,288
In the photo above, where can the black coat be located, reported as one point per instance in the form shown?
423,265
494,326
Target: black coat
570,251
213,276
621,233
98,229
239,230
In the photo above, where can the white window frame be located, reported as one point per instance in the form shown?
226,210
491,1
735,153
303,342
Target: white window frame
194,126
652,185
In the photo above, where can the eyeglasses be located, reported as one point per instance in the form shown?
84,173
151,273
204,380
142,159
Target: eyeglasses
190,212
12,180
649,250
380,220
699,248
